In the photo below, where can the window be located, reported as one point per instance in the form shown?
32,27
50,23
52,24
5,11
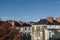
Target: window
29,28
38,34
37,29
49,34
25,28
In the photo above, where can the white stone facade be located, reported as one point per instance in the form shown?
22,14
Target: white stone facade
46,33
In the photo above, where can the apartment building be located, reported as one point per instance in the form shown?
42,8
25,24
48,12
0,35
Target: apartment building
46,29
46,32
25,31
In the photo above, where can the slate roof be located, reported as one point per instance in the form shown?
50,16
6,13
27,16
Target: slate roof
46,22
17,24
26,24
23,25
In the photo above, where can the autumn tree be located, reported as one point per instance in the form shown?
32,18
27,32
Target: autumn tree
9,32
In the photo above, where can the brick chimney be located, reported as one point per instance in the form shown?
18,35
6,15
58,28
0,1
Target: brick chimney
20,22
11,22
58,19
50,19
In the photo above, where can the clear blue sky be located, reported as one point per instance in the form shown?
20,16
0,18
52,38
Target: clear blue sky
29,10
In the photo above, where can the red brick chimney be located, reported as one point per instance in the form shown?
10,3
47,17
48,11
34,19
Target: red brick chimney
11,22
50,19
58,19
20,22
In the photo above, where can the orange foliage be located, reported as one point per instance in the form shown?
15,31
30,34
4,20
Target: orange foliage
8,32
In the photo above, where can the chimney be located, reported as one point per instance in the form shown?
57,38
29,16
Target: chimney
11,22
20,22
50,19
58,19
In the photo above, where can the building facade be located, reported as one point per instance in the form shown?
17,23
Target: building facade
45,32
